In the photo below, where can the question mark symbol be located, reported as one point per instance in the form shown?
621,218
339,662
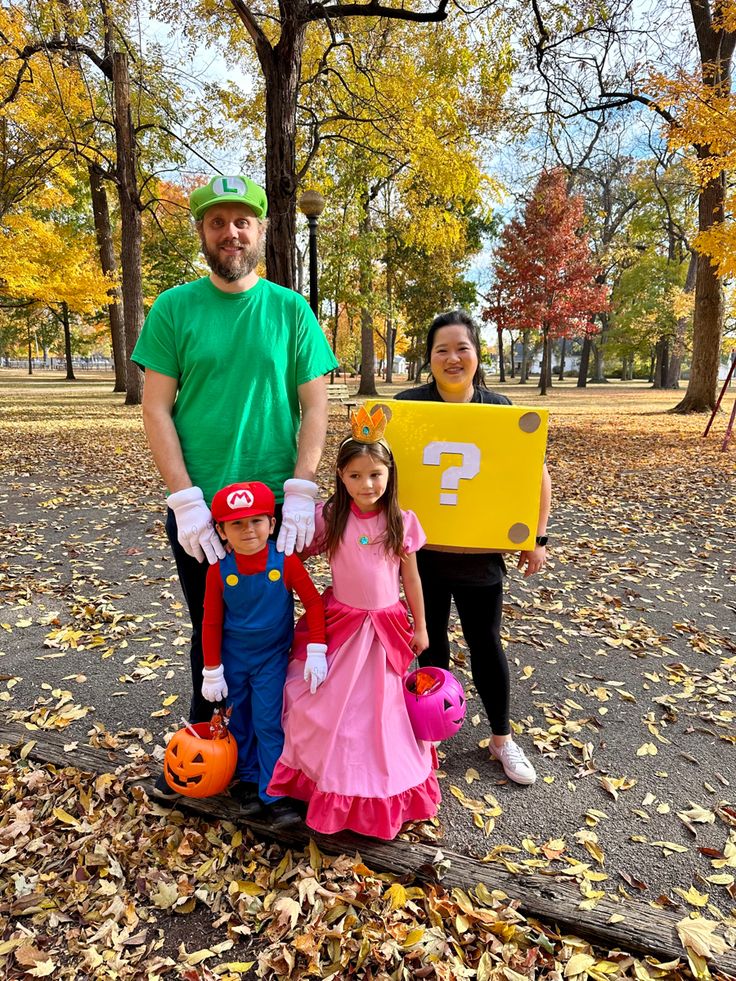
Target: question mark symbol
453,475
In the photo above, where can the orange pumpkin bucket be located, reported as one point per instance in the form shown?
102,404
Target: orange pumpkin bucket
200,767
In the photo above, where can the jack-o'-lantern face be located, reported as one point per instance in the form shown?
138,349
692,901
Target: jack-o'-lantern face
435,702
199,767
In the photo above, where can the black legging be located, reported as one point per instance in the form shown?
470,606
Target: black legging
480,609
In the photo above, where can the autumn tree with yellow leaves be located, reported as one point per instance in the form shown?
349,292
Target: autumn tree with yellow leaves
43,77
115,112
48,259
278,34
49,262
706,120
593,62
393,128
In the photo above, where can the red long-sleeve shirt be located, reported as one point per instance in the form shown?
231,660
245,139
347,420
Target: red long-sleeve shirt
296,579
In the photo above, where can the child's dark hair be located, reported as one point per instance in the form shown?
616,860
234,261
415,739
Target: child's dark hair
458,318
337,508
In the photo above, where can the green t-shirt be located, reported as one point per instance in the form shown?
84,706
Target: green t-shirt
239,359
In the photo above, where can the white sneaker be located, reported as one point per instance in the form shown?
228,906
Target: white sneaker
514,762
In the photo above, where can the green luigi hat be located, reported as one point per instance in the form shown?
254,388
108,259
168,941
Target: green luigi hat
229,190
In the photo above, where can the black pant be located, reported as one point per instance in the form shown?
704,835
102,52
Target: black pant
480,608
192,577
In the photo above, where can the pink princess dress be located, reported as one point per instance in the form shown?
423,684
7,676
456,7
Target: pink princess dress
349,749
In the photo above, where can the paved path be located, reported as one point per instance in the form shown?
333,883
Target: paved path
623,656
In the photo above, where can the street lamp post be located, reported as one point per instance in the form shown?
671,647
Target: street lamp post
312,204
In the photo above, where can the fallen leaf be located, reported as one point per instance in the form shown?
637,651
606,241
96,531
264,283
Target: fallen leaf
699,936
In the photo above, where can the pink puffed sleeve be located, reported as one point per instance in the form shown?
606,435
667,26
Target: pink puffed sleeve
319,530
414,536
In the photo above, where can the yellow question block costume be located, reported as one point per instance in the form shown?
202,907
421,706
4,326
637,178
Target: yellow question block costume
471,473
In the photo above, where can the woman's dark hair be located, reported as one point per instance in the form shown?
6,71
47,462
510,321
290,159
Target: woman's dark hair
337,507
449,319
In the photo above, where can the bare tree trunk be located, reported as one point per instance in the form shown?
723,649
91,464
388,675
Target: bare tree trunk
544,374
678,348
524,359
414,362
599,345
716,46
336,317
299,270
663,362
501,372
282,66
657,363
709,310
367,346
30,353
335,326
390,347
130,221
367,361
599,374
109,267
563,349
390,329
512,360
584,363
67,341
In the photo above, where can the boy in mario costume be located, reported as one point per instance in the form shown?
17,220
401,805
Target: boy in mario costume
247,633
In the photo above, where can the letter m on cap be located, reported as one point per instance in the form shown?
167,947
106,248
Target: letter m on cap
239,499
228,185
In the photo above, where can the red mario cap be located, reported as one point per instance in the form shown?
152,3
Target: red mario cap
243,501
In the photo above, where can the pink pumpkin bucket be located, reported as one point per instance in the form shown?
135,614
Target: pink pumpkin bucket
435,701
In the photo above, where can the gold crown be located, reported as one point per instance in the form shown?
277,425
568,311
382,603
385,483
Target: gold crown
368,427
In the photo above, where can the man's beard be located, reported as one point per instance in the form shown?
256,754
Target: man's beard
234,267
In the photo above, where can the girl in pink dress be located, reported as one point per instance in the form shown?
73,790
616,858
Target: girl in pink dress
349,748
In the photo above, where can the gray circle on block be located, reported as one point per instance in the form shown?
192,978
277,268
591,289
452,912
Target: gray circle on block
518,533
530,422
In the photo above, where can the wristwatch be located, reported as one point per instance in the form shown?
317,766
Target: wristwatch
541,539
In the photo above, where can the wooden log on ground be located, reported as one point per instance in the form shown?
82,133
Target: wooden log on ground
552,899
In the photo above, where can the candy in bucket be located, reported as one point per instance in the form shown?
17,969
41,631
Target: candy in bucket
435,701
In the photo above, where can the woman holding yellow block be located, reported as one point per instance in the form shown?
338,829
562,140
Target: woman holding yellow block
473,578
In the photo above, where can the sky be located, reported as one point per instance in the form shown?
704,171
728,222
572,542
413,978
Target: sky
208,65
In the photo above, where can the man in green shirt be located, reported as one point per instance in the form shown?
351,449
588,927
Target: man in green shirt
234,391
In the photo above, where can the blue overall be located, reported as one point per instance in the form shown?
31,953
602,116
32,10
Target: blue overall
257,632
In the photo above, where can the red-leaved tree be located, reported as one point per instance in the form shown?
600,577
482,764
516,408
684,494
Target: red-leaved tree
495,312
545,269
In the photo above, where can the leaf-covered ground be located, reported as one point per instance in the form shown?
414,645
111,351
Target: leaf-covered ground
624,674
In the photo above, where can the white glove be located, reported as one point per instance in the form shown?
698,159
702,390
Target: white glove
194,525
297,517
315,667
214,688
